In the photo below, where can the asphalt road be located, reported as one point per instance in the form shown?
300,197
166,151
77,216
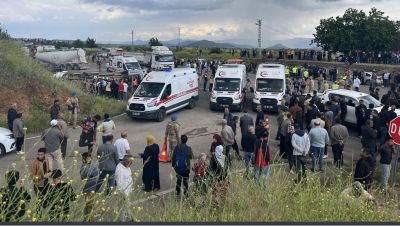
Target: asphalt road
199,124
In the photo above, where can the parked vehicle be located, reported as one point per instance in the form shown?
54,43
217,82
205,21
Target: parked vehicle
163,92
229,87
72,59
352,99
127,65
160,57
7,141
270,86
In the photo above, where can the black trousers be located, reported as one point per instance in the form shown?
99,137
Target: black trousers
360,123
64,147
19,142
282,146
182,178
210,86
300,162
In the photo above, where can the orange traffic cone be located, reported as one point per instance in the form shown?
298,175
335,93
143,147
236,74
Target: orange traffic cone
164,154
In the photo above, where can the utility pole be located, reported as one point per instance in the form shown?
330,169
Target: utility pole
259,22
179,38
132,37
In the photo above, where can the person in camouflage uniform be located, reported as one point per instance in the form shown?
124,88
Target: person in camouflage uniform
73,109
172,133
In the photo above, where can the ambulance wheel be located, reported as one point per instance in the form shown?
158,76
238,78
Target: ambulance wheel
212,108
160,115
192,103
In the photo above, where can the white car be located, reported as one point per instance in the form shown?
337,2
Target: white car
352,99
7,141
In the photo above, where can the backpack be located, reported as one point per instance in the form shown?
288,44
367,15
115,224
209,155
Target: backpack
180,160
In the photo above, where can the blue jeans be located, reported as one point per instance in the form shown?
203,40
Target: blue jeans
385,174
317,152
260,175
110,181
247,161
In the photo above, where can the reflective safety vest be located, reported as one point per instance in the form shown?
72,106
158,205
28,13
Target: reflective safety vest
287,72
294,70
335,86
305,74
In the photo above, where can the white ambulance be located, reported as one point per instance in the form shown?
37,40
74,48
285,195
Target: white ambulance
270,86
229,87
163,92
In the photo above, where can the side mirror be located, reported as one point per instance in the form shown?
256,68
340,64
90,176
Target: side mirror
251,89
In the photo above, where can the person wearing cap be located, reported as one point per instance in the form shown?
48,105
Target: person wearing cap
124,180
19,134
89,174
13,199
319,138
172,135
58,198
73,109
53,138
359,193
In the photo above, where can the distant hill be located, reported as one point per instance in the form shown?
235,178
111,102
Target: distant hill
277,46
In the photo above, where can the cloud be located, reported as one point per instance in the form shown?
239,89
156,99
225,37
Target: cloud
168,5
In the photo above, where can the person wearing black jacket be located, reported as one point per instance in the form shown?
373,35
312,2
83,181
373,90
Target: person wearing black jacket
182,150
369,135
361,116
13,199
249,145
58,198
87,136
365,169
55,109
11,115
343,109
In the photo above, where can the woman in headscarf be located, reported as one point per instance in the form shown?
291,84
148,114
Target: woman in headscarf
217,140
217,171
151,173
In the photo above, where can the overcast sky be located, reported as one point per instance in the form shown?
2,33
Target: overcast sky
112,20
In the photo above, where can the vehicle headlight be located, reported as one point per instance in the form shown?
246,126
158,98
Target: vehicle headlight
236,97
10,136
213,96
256,96
152,104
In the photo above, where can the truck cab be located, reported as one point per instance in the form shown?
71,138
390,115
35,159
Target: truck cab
161,57
270,86
229,87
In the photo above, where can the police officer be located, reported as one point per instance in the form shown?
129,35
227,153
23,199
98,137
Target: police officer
172,133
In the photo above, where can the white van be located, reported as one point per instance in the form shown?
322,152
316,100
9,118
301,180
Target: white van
270,86
228,90
163,92
127,65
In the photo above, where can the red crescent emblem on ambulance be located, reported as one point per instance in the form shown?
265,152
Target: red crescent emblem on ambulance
221,73
264,74
149,77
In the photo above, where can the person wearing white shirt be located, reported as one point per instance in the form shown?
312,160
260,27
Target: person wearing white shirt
107,127
386,78
125,90
356,84
124,180
122,146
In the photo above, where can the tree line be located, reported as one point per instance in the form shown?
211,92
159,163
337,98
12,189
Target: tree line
358,31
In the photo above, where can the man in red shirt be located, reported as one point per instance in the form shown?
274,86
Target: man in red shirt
121,89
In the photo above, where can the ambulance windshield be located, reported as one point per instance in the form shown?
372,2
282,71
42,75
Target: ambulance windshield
149,89
227,84
269,85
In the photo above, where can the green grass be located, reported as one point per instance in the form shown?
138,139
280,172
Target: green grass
34,89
